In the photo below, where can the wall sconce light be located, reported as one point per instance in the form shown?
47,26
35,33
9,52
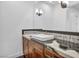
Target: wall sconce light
39,12
64,4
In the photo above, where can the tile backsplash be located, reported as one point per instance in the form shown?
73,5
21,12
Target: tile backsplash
69,41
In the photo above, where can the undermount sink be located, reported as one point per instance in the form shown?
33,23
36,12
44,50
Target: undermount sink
42,37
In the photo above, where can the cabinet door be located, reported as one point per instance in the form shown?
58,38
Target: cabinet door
31,53
38,49
39,53
25,47
28,48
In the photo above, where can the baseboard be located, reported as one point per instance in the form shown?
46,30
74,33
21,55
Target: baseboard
22,56
15,55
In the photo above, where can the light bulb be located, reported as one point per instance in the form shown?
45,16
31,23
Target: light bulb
39,12
36,11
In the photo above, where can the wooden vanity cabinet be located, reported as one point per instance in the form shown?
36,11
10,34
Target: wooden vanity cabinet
34,49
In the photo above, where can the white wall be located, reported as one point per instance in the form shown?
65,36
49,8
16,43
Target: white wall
56,18
60,18
14,16
78,24
72,21
46,20
53,18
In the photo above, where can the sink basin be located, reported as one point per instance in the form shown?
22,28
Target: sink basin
42,37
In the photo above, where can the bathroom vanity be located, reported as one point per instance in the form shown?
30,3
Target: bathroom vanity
52,44
36,49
